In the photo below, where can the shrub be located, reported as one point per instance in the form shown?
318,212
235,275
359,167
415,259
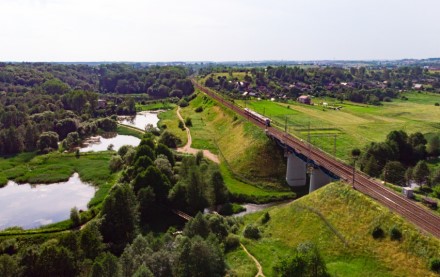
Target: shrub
251,232
74,216
180,124
395,234
199,109
436,104
378,233
231,242
266,218
116,163
183,103
434,265
188,122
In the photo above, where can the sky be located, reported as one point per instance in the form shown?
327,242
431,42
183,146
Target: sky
213,30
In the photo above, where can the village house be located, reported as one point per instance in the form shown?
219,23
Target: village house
304,99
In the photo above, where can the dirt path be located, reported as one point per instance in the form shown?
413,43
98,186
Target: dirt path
187,148
260,269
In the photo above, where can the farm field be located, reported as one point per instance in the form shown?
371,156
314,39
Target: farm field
354,125
339,221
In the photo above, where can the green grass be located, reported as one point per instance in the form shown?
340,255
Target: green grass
240,263
58,167
124,130
355,124
342,232
169,118
155,106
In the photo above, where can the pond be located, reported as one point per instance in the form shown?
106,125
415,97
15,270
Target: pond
141,119
30,206
101,143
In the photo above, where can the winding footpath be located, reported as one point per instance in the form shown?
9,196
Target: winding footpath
259,267
187,148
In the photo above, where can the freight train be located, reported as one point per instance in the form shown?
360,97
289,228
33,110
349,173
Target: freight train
257,116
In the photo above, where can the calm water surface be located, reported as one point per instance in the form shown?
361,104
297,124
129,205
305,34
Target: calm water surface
31,206
141,120
116,140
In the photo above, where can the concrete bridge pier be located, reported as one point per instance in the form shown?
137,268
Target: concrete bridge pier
296,171
318,179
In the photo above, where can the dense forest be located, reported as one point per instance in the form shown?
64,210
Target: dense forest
42,104
362,85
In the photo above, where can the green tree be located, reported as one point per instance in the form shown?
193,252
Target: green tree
394,172
197,226
371,167
48,141
421,173
91,240
135,255
75,217
219,192
434,146
56,261
119,217
8,266
305,261
106,265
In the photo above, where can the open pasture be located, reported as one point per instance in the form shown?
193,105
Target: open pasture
354,125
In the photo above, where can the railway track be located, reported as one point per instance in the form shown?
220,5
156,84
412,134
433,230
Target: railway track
421,217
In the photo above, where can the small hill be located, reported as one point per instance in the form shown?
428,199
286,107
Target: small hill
340,221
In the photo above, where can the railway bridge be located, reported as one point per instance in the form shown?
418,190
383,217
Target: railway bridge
324,168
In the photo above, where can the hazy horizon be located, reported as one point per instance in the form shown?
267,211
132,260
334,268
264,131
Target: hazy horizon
217,31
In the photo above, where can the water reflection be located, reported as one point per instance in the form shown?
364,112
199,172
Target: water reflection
101,143
30,206
140,120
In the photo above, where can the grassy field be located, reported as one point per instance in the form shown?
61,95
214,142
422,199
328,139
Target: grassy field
339,221
355,125
169,118
251,164
125,130
155,106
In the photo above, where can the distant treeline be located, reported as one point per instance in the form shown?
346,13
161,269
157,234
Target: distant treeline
357,84
42,104
157,82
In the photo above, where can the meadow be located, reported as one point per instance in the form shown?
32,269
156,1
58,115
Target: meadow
354,125
252,167
340,221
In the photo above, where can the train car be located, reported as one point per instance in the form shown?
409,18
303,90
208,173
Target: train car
257,116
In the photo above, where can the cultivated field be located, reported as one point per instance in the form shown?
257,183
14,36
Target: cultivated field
354,125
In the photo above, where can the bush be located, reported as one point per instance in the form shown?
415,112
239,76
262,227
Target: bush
116,163
188,122
231,242
378,233
183,103
199,109
434,265
266,218
251,232
436,104
74,216
180,124
395,234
